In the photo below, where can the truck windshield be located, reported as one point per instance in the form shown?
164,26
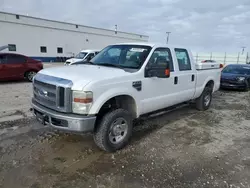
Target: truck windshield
122,56
243,70
81,55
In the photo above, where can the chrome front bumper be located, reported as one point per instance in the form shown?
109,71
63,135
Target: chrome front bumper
62,121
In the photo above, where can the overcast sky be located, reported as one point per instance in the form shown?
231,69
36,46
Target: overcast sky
214,25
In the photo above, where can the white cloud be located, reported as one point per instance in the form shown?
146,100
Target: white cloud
210,25
238,18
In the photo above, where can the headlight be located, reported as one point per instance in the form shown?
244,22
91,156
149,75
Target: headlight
81,101
241,79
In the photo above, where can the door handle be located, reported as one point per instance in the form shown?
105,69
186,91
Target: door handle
175,80
193,77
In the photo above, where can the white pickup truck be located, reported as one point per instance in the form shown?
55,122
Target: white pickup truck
120,84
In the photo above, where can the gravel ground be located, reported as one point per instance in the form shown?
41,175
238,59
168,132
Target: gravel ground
183,148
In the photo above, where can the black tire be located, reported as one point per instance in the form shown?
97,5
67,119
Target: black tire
201,103
102,132
29,75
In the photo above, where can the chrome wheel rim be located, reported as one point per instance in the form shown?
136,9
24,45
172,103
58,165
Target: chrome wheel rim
118,131
207,99
31,75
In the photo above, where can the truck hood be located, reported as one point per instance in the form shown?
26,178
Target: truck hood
81,75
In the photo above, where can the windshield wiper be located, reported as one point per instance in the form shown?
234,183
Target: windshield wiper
110,65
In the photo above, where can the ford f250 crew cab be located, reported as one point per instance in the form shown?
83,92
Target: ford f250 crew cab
120,84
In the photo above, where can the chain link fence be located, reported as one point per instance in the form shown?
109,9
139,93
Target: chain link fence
225,58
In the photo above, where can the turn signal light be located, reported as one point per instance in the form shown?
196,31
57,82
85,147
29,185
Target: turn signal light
167,72
82,100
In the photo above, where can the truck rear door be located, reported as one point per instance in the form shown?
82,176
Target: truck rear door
186,77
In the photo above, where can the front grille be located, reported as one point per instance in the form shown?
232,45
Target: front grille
52,92
42,84
61,96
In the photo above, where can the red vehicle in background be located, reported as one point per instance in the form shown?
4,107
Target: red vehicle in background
18,67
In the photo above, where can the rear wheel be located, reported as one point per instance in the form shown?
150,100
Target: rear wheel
114,130
30,75
204,101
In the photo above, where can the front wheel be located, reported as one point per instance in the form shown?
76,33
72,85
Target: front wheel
30,75
204,101
114,130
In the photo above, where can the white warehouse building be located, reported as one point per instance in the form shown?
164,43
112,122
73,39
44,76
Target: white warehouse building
48,39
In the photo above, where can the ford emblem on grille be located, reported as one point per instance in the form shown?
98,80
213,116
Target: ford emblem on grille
43,92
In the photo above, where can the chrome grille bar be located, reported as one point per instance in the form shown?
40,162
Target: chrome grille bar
53,92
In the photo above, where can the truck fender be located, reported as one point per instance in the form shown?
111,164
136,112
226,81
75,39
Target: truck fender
200,89
210,78
102,99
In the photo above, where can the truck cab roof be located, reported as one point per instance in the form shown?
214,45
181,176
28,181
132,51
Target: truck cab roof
156,45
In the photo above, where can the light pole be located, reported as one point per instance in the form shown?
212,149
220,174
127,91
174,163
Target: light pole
115,29
243,49
168,33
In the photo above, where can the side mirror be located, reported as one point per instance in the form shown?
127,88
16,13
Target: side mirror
158,69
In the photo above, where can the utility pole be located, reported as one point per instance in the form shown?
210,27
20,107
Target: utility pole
168,36
243,49
115,29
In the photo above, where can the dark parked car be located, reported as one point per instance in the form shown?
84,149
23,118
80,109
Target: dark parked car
236,76
18,67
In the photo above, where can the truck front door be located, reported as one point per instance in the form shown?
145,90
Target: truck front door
159,93
186,78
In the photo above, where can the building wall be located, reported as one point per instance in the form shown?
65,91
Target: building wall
29,34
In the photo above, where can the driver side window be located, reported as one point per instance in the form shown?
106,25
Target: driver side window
161,53
2,59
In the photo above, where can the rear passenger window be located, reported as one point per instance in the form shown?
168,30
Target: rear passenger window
15,59
183,59
163,54
2,59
